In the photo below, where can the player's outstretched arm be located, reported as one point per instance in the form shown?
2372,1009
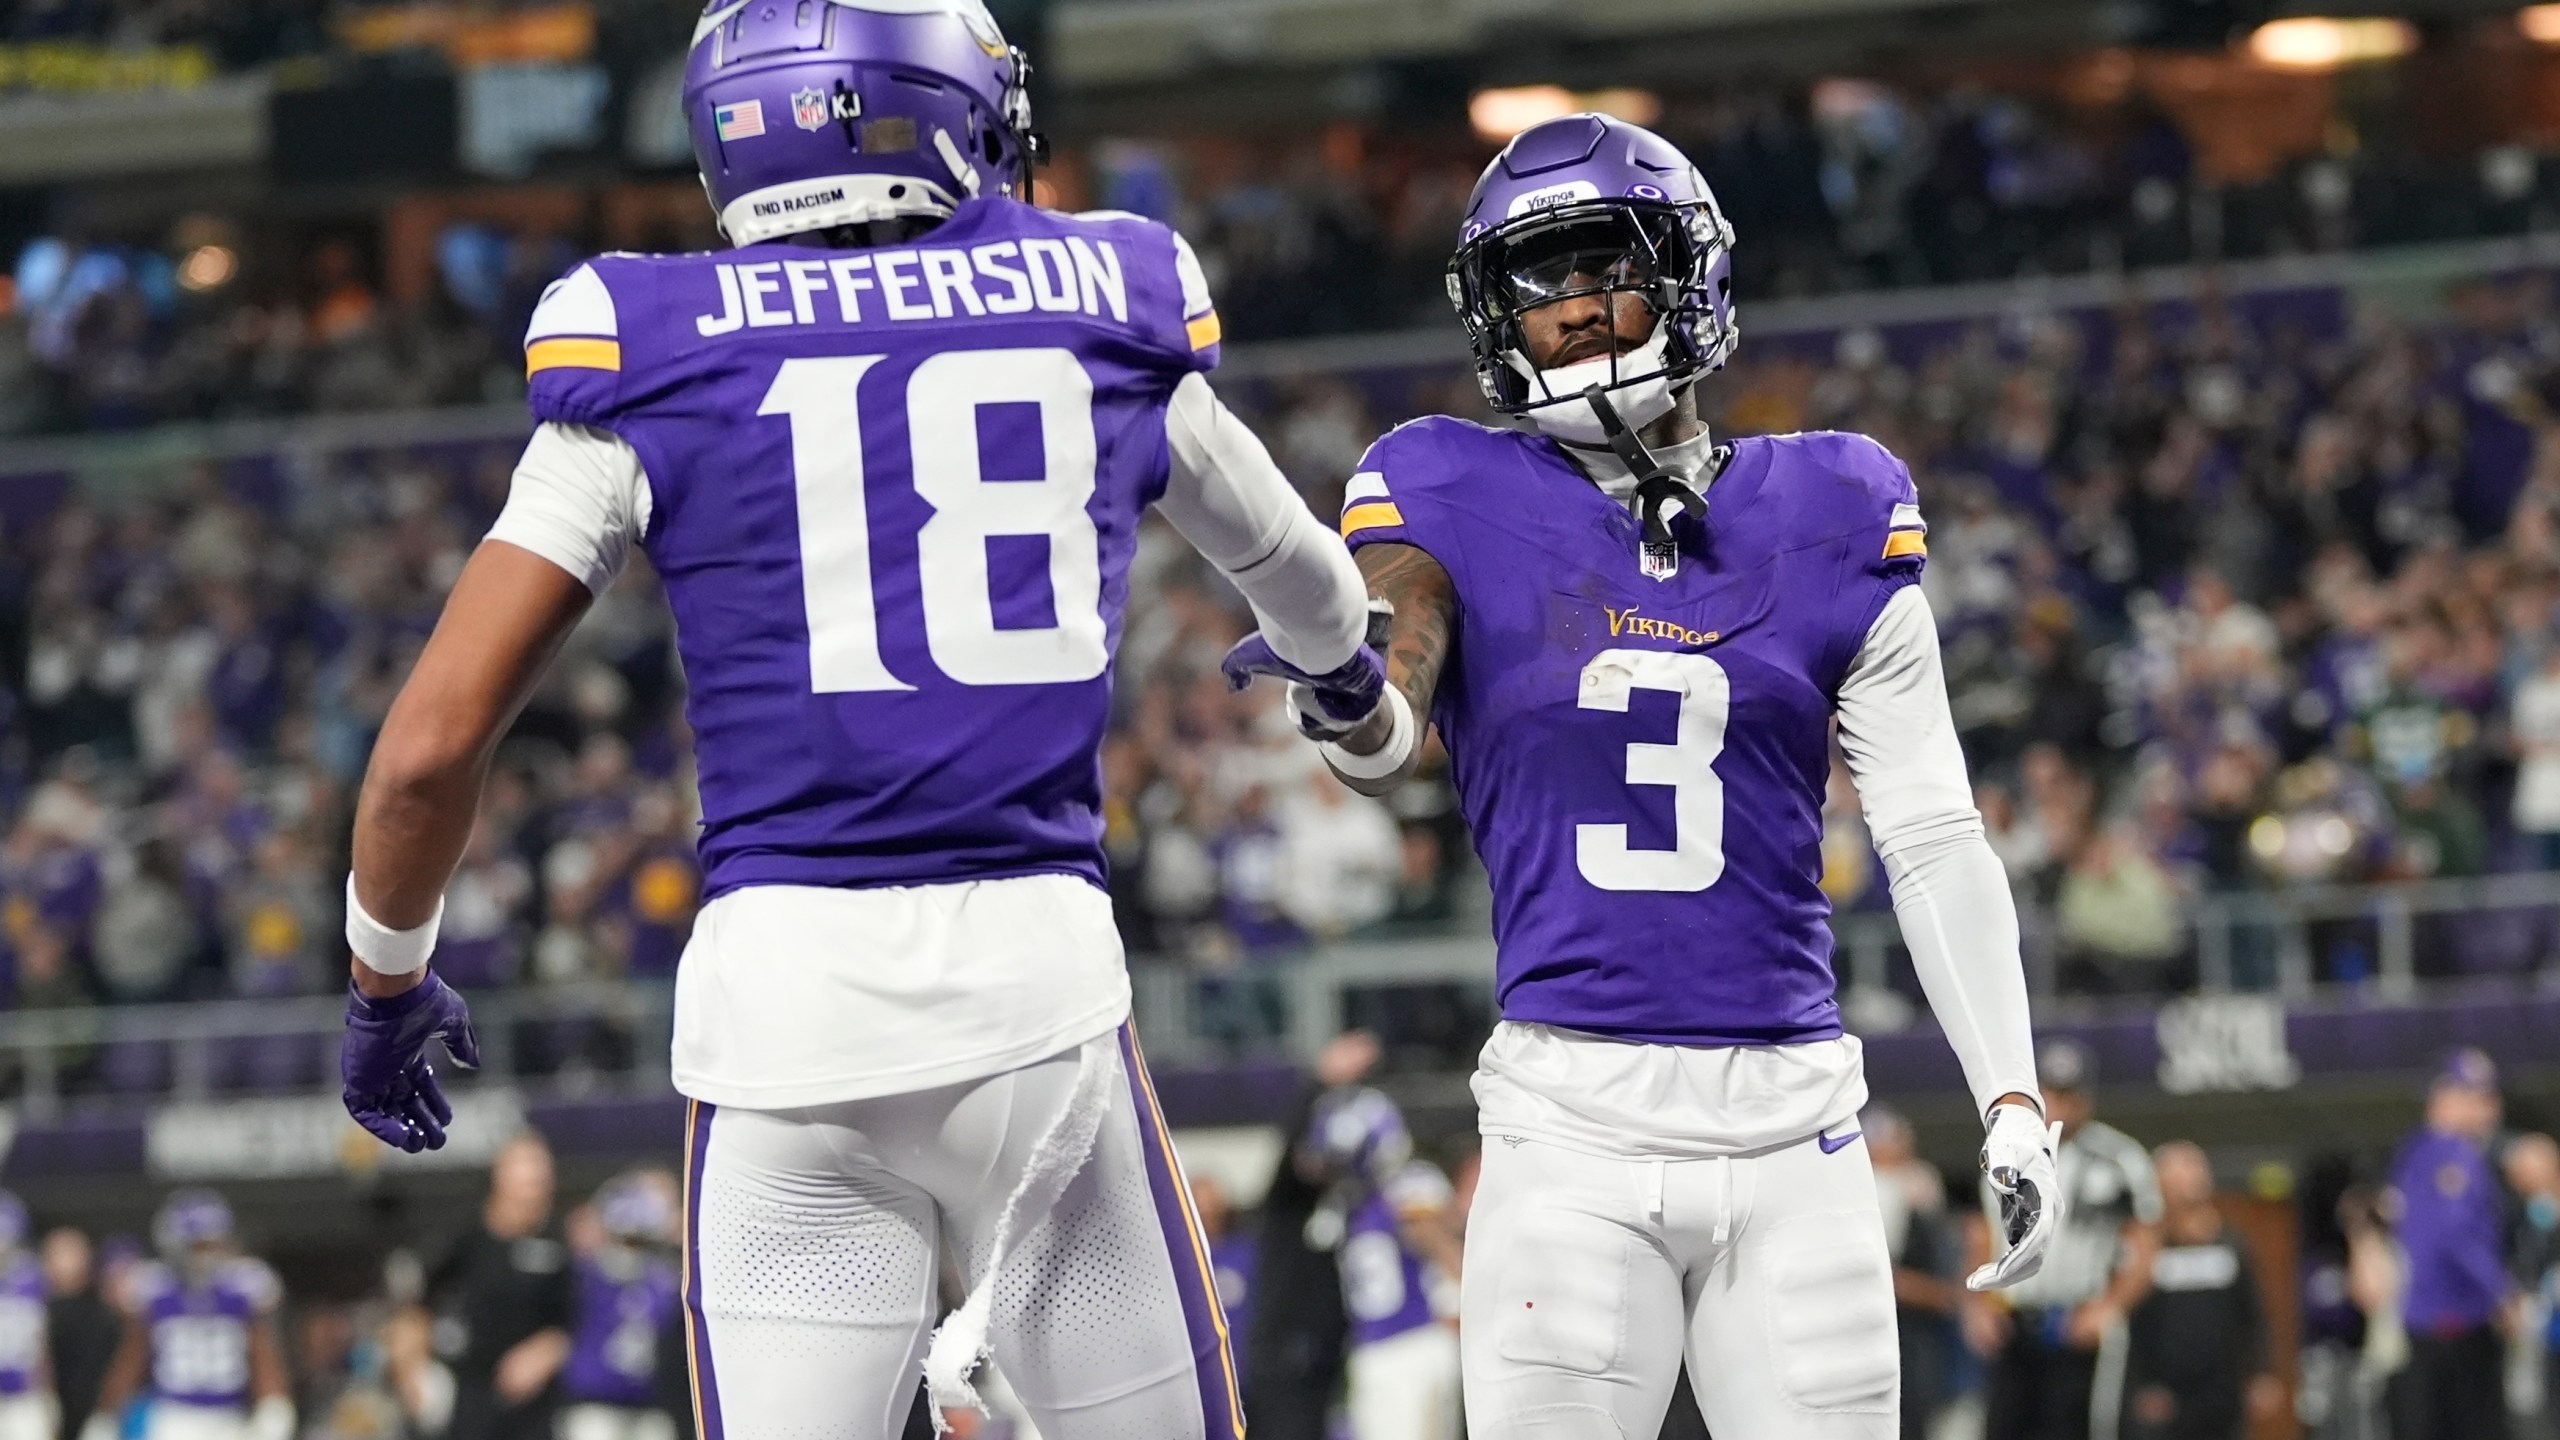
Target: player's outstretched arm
1423,614
1225,496
506,618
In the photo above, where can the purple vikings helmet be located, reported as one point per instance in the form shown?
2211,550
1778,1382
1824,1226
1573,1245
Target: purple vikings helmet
188,1221
1588,205
811,114
637,1209
1356,1131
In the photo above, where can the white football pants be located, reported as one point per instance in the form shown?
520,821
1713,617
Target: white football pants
1589,1279
28,1417
589,1421
1405,1387
815,1239
169,1420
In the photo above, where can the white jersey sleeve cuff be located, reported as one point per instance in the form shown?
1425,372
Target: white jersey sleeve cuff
579,499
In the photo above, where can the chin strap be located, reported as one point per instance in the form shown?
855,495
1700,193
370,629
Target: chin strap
1656,486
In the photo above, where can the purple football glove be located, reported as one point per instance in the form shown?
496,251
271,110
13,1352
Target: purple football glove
391,1090
1330,705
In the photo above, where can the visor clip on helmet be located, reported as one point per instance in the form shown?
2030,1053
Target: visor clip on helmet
1656,487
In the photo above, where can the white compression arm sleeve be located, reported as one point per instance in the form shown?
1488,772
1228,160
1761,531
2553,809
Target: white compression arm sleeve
1233,504
579,499
1949,890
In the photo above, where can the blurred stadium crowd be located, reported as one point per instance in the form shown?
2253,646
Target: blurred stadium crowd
2235,596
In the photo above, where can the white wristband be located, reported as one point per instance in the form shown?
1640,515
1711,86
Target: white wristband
381,948
1390,757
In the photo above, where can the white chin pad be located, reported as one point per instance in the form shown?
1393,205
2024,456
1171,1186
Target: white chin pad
1638,402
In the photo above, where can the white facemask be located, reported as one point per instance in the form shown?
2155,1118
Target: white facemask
1638,402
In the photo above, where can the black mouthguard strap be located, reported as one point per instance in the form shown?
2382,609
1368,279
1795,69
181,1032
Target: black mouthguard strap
1656,486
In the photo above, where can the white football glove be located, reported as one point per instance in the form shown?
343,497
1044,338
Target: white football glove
2017,1155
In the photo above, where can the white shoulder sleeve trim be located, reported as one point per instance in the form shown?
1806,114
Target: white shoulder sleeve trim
577,304
579,499
1195,281
1228,499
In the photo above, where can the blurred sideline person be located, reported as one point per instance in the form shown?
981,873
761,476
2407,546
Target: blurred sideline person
2352,1338
894,518
1294,1352
1921,1239
629,1317
508,1283
27,1407
82,1330
200,1339
2198,1366
1386,1217
2452,1224
2057,1342
1671,1170
2532,1166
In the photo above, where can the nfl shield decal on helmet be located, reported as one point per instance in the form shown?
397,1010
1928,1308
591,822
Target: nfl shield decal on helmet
809,109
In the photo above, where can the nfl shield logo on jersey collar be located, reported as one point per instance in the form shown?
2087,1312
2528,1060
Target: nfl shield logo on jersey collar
809,109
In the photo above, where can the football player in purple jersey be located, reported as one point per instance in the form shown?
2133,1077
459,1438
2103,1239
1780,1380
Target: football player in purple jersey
1386,1218
27,1410
627,1304
888,456
1636,641
200,1338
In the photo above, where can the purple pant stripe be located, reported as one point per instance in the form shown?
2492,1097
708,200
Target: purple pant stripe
1221,1402
697,1327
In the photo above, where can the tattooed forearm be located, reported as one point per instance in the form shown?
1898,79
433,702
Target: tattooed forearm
1419,636
1426,611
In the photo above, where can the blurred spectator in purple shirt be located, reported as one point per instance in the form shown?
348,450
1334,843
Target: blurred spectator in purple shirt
2452,1226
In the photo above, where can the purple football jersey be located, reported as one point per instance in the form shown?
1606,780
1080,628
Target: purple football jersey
22,1324
624,1312
200,1328
1642,761
894,494
1388,1288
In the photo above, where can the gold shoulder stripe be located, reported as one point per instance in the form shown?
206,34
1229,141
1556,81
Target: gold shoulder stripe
1370,517
1905,542
1204,331
544,355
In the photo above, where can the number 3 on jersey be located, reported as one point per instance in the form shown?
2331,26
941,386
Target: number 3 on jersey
943,398
1687,765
